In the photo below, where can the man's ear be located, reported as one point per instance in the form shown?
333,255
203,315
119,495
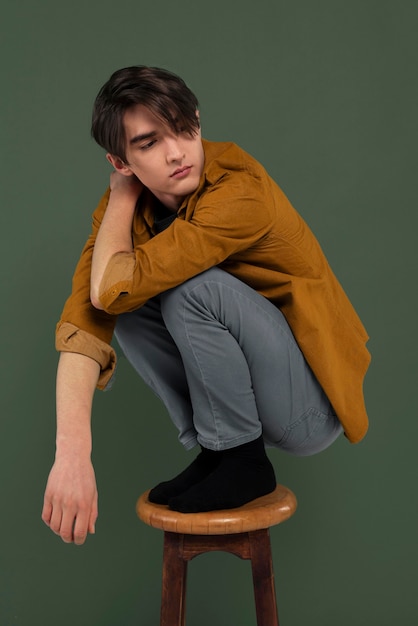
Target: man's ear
119,165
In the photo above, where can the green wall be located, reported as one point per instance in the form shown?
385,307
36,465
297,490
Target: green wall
324,94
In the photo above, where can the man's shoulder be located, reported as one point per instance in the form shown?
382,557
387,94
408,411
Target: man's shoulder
226,156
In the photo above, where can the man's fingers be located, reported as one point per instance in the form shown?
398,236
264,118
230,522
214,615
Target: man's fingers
80,528
93,519
66,529
46,512
55,520
72,526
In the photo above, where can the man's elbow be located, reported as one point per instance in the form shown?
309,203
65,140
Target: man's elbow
116,281
95,300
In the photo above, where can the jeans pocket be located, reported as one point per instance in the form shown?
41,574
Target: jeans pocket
311,433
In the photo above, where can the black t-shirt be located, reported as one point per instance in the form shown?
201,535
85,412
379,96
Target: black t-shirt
163,217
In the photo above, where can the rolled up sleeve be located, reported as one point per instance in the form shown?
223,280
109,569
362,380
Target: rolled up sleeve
117,279
70,338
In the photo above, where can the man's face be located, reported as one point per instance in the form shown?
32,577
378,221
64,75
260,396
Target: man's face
169,164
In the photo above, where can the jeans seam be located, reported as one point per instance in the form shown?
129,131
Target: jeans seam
216,420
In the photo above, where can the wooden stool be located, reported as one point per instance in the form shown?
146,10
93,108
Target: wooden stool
243,531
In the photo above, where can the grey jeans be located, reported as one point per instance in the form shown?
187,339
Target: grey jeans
224,362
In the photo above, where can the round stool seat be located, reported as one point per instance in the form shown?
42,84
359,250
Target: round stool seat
258,514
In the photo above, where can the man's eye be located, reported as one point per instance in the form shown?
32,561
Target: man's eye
148,145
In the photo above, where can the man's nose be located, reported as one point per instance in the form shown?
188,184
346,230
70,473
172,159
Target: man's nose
175,151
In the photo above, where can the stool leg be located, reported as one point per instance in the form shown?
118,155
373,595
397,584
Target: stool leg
263,578
173,601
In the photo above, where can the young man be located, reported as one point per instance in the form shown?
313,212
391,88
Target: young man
219,296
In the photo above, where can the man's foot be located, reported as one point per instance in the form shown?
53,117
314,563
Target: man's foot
203,465
243,474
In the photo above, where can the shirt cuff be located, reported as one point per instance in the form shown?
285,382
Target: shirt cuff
70,338
117,279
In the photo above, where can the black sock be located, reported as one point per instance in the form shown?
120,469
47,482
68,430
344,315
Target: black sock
243,474
203,465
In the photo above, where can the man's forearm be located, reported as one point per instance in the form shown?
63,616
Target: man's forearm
115,235
77,377
115,232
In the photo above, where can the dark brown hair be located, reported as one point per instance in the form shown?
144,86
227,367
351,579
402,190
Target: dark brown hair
162,92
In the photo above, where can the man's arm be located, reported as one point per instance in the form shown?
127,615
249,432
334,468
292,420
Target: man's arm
115,233
70,502
225,222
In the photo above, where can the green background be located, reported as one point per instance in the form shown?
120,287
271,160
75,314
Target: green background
324,94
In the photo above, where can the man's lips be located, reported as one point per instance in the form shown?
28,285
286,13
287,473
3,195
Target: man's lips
181,171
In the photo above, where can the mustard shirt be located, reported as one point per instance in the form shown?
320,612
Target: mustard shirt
240,220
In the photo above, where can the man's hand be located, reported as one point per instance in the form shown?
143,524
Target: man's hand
70,502
127,185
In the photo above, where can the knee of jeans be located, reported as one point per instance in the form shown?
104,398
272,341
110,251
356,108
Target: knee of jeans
172,303
197,291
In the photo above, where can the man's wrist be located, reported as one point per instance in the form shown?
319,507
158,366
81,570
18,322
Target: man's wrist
123,198
73,445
